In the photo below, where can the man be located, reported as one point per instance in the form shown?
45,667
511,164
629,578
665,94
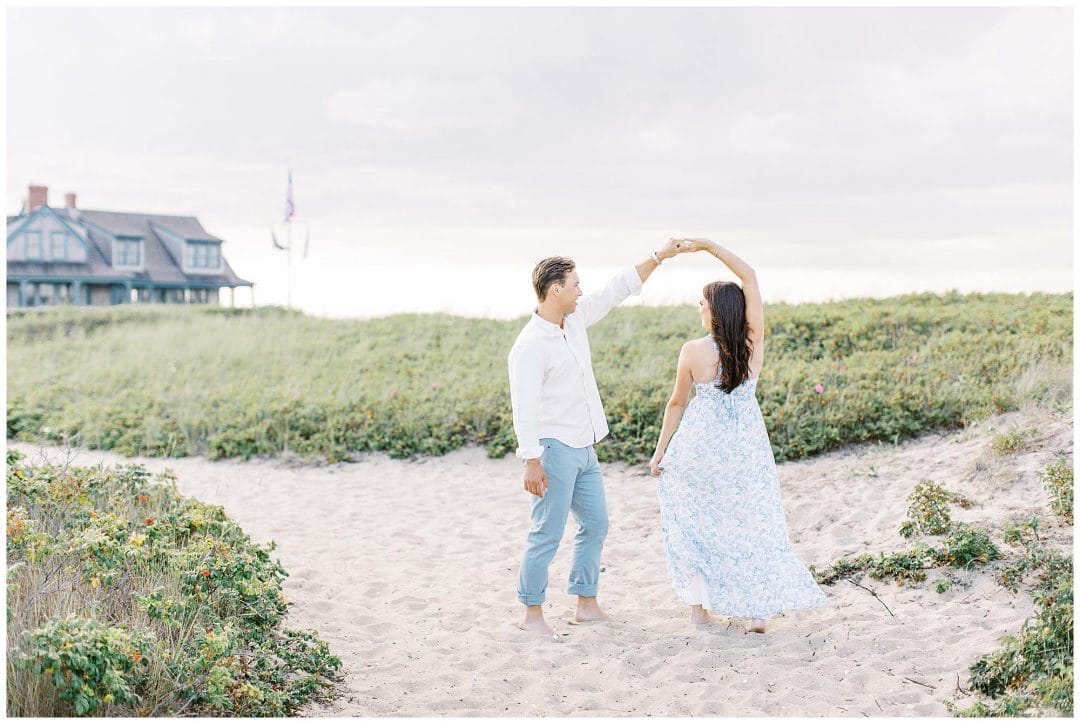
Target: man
558,417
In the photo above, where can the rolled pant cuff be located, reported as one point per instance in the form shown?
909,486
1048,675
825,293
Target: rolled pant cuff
580,590
530,600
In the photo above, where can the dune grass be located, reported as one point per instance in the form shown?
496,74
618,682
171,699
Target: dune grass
175,381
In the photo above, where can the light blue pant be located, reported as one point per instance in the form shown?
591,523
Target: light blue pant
574,485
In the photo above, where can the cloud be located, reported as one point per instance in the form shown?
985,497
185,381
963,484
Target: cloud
457,128
200,31
411,104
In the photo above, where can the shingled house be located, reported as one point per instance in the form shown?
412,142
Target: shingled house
77,256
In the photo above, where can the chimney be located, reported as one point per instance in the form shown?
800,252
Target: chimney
39,196
69,199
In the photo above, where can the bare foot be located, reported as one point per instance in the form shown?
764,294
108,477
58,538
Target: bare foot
699,615
588,610
539,627
757,626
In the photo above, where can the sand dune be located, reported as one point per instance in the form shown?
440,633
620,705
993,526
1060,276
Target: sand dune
408,569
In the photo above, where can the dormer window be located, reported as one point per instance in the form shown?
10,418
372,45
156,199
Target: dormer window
33,245
58,246
203,255
128,252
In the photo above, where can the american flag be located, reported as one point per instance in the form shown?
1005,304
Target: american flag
290,209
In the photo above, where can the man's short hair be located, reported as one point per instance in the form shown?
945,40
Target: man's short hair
552,270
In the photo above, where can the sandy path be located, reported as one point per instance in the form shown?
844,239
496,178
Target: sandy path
408,569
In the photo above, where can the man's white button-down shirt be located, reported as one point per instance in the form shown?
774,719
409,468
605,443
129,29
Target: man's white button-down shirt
552,388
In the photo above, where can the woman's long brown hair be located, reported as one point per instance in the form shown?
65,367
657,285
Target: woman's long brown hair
729,331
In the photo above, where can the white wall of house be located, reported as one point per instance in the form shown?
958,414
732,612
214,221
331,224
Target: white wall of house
46,238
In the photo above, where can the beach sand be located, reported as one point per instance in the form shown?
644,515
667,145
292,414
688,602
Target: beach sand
409,568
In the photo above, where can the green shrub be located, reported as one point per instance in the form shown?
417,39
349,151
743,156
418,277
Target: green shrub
903,566
88,663
929,511
965,546
180,381
1012,442
1033,671
961,547
842,568
1058,477
125,598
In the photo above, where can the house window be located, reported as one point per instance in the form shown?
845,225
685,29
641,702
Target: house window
33,245
128,252
58,246
203,256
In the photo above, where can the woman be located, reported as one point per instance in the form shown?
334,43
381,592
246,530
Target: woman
723,525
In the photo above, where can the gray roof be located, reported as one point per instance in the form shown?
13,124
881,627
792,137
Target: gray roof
101,227
125,224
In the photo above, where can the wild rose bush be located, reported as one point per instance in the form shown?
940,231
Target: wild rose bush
125,598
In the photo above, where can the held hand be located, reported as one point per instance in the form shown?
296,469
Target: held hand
670,249
690,245
535,477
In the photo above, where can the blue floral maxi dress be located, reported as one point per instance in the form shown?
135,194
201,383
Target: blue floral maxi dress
720,513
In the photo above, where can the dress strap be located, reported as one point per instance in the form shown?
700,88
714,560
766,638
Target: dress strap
719,367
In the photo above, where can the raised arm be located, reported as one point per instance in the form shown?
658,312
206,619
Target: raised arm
668,250
755,311
676,406
594,307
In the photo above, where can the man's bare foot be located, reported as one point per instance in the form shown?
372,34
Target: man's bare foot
699,615
757,626
534,622
588,610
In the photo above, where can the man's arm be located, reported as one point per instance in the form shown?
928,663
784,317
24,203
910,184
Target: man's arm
526,379
594,307
647,267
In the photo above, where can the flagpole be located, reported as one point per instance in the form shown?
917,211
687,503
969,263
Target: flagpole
288,263
289,210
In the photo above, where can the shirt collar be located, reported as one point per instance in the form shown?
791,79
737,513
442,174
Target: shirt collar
545,327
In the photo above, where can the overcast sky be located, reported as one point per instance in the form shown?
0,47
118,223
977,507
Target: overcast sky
437,153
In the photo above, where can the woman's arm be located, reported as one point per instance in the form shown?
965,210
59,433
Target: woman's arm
755,311
676,405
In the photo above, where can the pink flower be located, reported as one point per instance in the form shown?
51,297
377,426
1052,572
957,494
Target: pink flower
819,389
393,393
435,385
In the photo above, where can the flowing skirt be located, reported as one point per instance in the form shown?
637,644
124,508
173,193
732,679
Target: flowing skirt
723,524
